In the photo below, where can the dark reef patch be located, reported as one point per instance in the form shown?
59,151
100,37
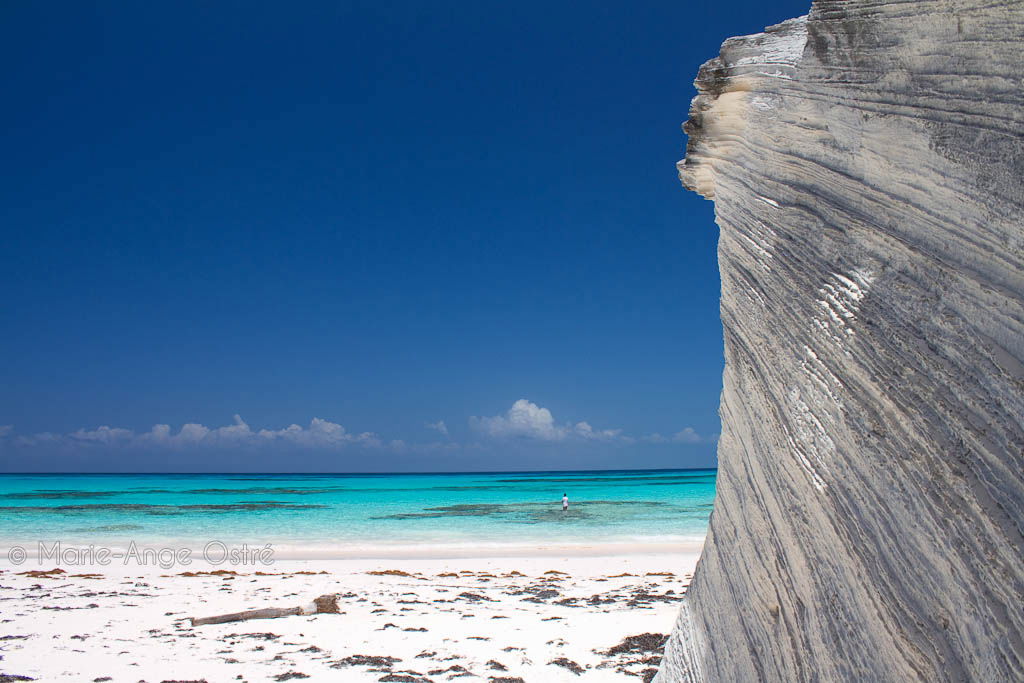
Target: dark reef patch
677,478
527,512
144,509
268,490
58,494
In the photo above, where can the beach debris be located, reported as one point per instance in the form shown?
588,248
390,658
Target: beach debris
366,660
642,597
453,671
598,600
567,664
91,605
389,572
255,636
475,597
325,604
505,679
645,642
403,678
290,675
40,574
537,593
644,650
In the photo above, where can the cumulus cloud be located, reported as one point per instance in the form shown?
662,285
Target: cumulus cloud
438,426
686,435
39,439
102,435
584,430
526,419
318,434
438,447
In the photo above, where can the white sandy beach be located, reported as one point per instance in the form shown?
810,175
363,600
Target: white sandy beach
557,616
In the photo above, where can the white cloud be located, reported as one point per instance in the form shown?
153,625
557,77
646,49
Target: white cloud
192,432
38,439
528,420
102,435
5,430
584,430
319,434
522,419
437,447
439,426
237,432
686,435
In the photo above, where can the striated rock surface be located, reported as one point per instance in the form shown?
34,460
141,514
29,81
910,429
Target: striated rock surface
867,168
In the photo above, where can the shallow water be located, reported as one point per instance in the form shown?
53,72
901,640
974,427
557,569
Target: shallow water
362,510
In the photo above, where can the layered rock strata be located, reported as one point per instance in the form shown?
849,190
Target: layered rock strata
867,168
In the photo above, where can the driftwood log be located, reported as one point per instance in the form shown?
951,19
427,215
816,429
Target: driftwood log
325,604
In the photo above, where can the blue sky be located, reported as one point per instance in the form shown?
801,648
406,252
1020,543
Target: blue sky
361,218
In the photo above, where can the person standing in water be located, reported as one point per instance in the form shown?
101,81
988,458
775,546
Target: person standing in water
565,502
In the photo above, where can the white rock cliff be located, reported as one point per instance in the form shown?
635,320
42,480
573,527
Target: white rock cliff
867,168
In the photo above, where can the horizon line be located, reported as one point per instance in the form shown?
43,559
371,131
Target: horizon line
634,469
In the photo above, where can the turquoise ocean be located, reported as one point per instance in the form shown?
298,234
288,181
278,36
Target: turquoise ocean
358,512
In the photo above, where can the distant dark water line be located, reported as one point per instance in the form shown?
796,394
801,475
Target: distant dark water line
288,476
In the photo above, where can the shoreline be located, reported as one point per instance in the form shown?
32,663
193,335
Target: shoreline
77,553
